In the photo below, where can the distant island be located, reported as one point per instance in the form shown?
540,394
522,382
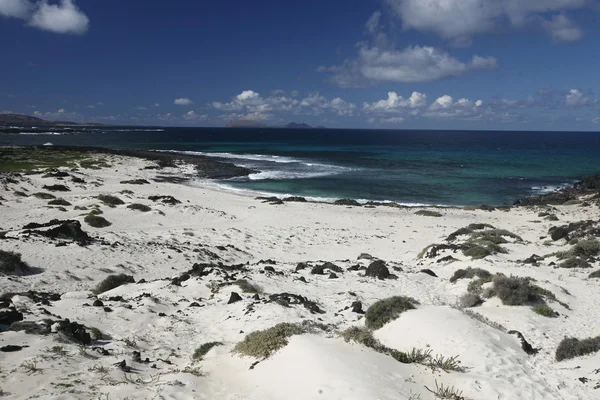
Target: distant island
244,123
28,120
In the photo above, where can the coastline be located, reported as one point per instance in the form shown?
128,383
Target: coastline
241,237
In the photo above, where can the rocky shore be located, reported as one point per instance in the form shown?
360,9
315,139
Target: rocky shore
118,279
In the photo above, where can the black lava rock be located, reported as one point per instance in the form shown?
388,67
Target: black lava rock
234,298
378,270
429,272
98,303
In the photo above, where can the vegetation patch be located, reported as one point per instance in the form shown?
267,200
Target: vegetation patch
248,287
44,196
11,263
386,310
595,274
428,213
96,221
111,201
514,291
204,349
59,202
29,158
575,262
261,344
113,281
571,347
470,273
544,310
476,286
469,300
139,207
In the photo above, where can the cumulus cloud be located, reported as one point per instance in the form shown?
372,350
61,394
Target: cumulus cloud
392,120
193,116
61,111
314,104
64,17
183,102
575,98
458,20
562,29
395,103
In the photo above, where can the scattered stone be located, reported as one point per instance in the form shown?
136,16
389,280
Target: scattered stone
297,199
528,348
447,259
10,316
269,269
365,256
333,276
377,269
135,182
74,331
256,296
429,272
170,200
301,266
66,230
194,304
31,327
11,348
288,299
357,307
98,303
56,188
302,279
234,298
347,202
534,259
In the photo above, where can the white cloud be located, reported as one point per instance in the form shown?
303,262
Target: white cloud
61,111
576,98
193,116
99,103
255,116
446,107
37,114
596,120
461,19
395,103
562,29
183,102
372,24
91,106
156,105
392,120
412,64
64,17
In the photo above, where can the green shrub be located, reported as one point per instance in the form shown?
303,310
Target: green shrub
113,281
544,309
11,263
96,221
480,226
574,262
109,200
44,196
514,291
469,300
428,213
139,207
384,311
261,344
459,232
96,333
204,349
470,273
586,248
20,194
96,211
247,286
476,286
571,347
362,336
83,208
59,202
496,236
479,249
595,274
127,191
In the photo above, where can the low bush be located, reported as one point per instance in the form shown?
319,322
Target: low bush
248,287
96,221
469,300
470,273
113,281
44,196
11,263
476,286
109,200
514,291
428,213
575,262
261,344
544,310
362,336
586,248
496,236
595,274
384,311
96,333
571,347
204,349
59,202
139,207
478,249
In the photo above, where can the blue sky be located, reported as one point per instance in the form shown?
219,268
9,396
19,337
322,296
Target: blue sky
393,64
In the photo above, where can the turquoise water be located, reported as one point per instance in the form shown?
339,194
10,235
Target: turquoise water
416,167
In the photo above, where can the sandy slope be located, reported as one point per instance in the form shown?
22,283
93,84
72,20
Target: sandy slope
212,225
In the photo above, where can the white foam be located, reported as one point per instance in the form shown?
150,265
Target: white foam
252,157
41,133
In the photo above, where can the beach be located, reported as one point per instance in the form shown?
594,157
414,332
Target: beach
189,245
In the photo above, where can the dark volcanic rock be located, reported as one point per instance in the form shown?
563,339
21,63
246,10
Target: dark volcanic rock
320,269
301,266
269,269
31,327
170,200
357,307
57,188
10,316
74,331
288,299
429,272
378,270
347,202
234,298
66,230
534,259
76,179
98,303
11,348
365,256
297,199
333,276
527,348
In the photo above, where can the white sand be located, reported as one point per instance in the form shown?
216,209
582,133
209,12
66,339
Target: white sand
165,242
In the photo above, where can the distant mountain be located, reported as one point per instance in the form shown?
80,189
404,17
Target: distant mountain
28,120
295,125
245,123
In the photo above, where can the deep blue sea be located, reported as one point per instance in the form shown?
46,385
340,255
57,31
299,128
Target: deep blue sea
411,167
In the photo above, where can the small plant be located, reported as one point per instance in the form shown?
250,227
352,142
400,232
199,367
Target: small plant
469,300
595,274
11,263
470,273
196,371
44,196
544,310
113,281
476,286
57,350
30,367
446,363
384,311
99,368
261,344
418,356
59,202
483,319
362,336
247,286
575,262
571,347
111,201
139,207
446,392
130,342
428,213
96,333
204,349
96,221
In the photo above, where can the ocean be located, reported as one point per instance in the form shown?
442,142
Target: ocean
408,167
